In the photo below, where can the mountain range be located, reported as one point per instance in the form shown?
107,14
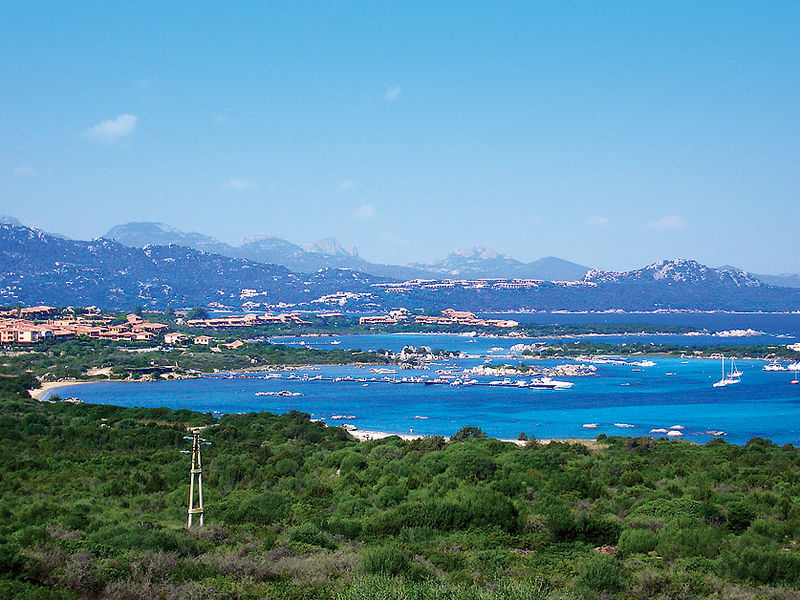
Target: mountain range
468,263
323,254
36,267
472,263
327,253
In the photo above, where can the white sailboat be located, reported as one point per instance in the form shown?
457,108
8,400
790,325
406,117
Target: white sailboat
729,379
735,373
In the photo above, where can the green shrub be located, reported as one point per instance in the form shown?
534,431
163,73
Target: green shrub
307,533
668,508
352,461
385,560
684,539
349,528
630,478
18,590
471,463
758,564
252,507
738,516
595,530
600,573
468,433
637,541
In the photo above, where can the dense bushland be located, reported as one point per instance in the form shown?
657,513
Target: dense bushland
93,505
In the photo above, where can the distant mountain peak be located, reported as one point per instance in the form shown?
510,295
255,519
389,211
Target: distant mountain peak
142,233
9,220
257,238
330,247
676,271
480,262
478,253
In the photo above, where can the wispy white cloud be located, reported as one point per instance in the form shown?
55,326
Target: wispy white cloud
113,129
346,185
220,120
392,93
365,212
667,223
143,84
241,184
24,171
598,221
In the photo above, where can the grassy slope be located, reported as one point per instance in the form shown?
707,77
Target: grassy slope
92,504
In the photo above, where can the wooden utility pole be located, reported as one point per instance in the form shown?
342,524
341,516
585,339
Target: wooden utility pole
196,471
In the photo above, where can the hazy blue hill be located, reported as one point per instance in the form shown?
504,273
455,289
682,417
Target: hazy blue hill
552,268
485,263
146,233
323,254
783,280
667,285
473,263
9,220
38,268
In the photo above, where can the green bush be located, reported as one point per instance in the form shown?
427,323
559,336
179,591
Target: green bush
684,539
18,590
385,560
758,564
468,433
253,507
668,508
738,516
637,541
307,533
600,573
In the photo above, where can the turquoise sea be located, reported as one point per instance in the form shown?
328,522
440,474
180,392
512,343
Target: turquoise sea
674,392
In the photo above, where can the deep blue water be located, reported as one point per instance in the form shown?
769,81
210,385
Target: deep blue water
674,392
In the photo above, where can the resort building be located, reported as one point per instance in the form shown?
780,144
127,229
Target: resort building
175,337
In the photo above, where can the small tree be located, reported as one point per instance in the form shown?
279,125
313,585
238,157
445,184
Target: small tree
467,433
198,312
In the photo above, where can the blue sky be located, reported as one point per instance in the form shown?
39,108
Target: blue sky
612,135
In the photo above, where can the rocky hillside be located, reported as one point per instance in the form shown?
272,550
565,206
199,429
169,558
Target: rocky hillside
38,268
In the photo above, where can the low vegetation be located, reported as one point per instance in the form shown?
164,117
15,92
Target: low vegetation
93,505
79,358
583,348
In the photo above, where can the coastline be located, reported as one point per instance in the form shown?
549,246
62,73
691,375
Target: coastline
46,386
368,435
361,435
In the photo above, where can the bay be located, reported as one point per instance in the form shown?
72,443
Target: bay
673,392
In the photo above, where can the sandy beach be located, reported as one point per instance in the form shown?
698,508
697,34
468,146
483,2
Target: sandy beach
49,385
366,435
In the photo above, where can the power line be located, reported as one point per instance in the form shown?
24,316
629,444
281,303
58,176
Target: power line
195,471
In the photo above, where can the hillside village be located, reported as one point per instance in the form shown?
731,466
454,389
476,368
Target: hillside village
40,323
37,324
449,317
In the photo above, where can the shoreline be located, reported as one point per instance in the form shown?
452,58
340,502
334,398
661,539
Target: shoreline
368,435
360,435
47,386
